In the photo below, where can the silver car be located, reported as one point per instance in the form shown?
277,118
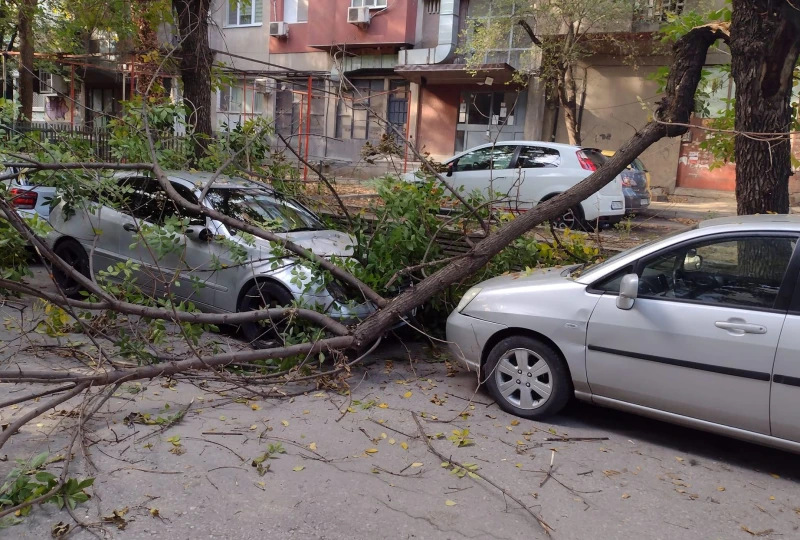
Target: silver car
701,328
205,254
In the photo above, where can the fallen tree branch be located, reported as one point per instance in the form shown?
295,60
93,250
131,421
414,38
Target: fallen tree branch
36,411
321,177
547,528
171,368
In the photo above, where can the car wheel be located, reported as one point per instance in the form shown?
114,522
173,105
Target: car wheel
571,219
72,253
527,378
263,295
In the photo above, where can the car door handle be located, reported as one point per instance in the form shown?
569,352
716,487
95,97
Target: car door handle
741,327
130,227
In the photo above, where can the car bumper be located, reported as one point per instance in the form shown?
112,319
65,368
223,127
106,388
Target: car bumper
467,337
603,207
636,201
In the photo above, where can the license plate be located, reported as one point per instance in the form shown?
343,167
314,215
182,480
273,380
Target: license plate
644,202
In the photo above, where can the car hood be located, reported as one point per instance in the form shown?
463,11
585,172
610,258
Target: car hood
325,243
535,278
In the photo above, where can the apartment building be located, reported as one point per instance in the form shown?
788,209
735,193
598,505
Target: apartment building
365,62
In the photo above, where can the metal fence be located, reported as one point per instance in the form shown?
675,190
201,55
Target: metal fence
95,138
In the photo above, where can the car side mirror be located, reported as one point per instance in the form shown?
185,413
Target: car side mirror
198,233
450,169
628,291
692,262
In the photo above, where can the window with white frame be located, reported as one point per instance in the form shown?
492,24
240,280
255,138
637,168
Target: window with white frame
295,11
239,102
245,13
368,3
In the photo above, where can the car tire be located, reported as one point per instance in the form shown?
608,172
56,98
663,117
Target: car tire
520,367
572,219
258,296
72,253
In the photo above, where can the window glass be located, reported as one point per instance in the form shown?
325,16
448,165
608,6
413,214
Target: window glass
532,157
262,208
491,157
611,284
742,272
149,202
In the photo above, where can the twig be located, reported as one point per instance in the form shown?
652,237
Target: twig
221,433
550,469
547,528
575,439
218,444
164,427
392,429
36,411
14,401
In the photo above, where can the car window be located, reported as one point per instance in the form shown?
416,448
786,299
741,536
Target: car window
611,284
741,272
264,209
483,159
532,157
148,201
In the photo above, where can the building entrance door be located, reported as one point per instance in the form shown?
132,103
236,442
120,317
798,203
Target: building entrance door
485,116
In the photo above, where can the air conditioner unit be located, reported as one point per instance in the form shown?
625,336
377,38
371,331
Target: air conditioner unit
278,29
264,86
52,84
358,15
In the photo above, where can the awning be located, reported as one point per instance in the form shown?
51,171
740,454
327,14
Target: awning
455,73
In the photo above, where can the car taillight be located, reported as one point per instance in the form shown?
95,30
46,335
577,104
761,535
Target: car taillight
626,181
24,199
585,162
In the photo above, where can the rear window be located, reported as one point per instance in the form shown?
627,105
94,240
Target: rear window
638,165
595,156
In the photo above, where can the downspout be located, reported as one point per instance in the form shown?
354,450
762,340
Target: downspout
447,38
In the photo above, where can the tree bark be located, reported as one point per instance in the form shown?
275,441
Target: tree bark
670,120
27,10
764,42
567,92
196,60
568,97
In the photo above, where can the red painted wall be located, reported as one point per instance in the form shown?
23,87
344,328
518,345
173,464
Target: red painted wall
436,128
327,26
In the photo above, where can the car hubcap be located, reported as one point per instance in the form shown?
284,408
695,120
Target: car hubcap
567,220
524,379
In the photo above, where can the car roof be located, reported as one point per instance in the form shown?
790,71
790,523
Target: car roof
771,221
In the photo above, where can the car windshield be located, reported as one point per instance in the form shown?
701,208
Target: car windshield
583,269
262,208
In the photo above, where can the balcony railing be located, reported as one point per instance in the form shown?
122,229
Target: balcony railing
657,11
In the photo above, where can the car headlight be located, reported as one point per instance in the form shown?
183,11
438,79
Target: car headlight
467,298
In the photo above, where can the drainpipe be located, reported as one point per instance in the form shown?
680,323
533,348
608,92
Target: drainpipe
447,42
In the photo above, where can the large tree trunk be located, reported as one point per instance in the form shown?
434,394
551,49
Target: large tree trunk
764,42
196,60
670,120
27,10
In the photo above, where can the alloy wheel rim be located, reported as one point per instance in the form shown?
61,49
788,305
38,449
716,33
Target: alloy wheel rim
566,220
524,379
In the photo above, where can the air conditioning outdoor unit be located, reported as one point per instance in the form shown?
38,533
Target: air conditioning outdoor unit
52,84
264,86
358,15
278,29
